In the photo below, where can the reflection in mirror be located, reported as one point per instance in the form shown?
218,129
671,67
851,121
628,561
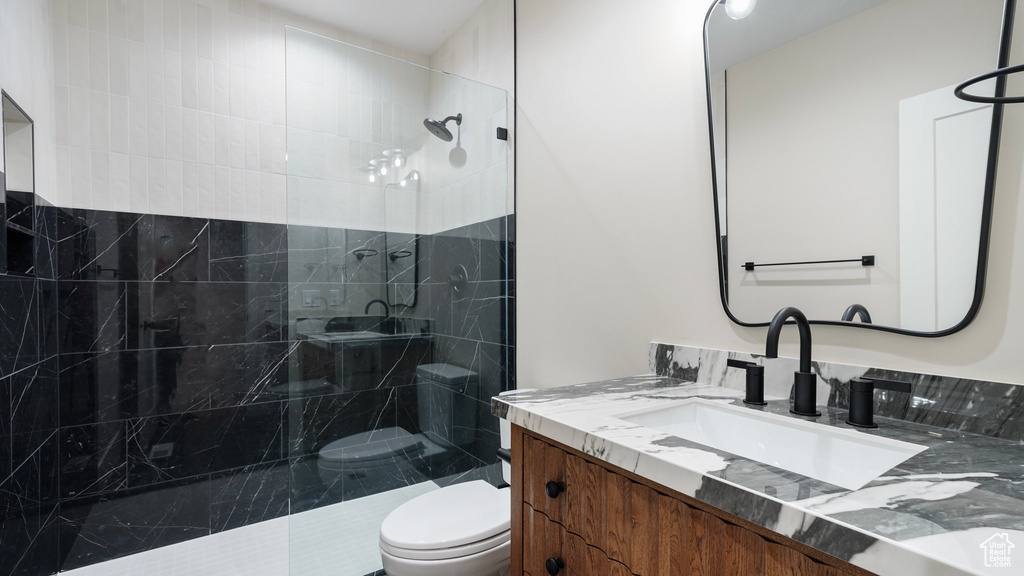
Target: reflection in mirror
403,269
837,137
401,256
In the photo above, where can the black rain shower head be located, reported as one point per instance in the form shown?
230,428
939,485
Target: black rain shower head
438,128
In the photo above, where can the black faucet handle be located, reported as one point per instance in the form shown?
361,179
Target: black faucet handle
872,384
862,401
755,381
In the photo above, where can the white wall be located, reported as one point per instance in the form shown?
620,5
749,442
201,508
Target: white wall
616,242
26,73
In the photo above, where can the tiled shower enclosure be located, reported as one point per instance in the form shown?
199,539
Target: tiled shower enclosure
164,378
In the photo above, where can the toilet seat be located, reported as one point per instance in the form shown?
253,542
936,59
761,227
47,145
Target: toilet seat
451,522
367,447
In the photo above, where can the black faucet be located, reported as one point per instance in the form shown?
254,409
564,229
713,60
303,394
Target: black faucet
805,381
854,310
387,309
862,399
755,381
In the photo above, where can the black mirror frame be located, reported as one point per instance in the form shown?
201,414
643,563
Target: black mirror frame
1005,38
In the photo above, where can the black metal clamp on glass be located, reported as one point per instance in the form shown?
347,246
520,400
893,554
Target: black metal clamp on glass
862,399
755,381
864,261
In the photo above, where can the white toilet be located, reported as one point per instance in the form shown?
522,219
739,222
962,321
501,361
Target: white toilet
388,458
371,462
459,530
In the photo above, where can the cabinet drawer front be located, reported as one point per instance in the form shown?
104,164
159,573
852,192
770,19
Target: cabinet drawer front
550,548
544,464
636,527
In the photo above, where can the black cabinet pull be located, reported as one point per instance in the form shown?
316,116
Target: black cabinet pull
554,565
554,489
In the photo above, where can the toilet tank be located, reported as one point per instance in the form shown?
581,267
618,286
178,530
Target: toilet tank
447,398
506,438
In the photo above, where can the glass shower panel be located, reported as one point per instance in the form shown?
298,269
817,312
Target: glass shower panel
399,291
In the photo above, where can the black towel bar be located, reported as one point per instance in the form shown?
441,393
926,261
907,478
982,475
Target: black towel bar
864,261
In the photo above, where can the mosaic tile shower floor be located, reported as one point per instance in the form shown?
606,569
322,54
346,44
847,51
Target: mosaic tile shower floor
337,540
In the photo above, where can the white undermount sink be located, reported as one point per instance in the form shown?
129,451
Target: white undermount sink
846,458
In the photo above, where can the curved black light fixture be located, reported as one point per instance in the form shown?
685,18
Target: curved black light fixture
1000,73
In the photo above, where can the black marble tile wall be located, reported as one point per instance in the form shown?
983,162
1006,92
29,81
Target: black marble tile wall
28,501
98,528
473,324
29,437
28,541
248,252
3,218
172,356
46,239
151,390
20,343
254,494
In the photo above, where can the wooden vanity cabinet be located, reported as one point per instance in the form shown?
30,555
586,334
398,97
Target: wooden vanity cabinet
602,521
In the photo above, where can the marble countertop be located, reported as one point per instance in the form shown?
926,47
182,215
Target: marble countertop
944,511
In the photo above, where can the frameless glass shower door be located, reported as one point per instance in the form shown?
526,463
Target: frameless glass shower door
399,299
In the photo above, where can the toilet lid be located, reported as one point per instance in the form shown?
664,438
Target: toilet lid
372,445
450,517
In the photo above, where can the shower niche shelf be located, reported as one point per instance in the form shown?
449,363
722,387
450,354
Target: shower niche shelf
17,255
21,234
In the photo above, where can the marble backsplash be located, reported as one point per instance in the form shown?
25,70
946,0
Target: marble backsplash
974,406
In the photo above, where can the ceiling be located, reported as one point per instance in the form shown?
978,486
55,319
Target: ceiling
417,25
772,24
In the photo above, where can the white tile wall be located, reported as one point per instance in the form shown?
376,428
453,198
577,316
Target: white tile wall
178,106
346,105
481,49
386,103
27,69
169,106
